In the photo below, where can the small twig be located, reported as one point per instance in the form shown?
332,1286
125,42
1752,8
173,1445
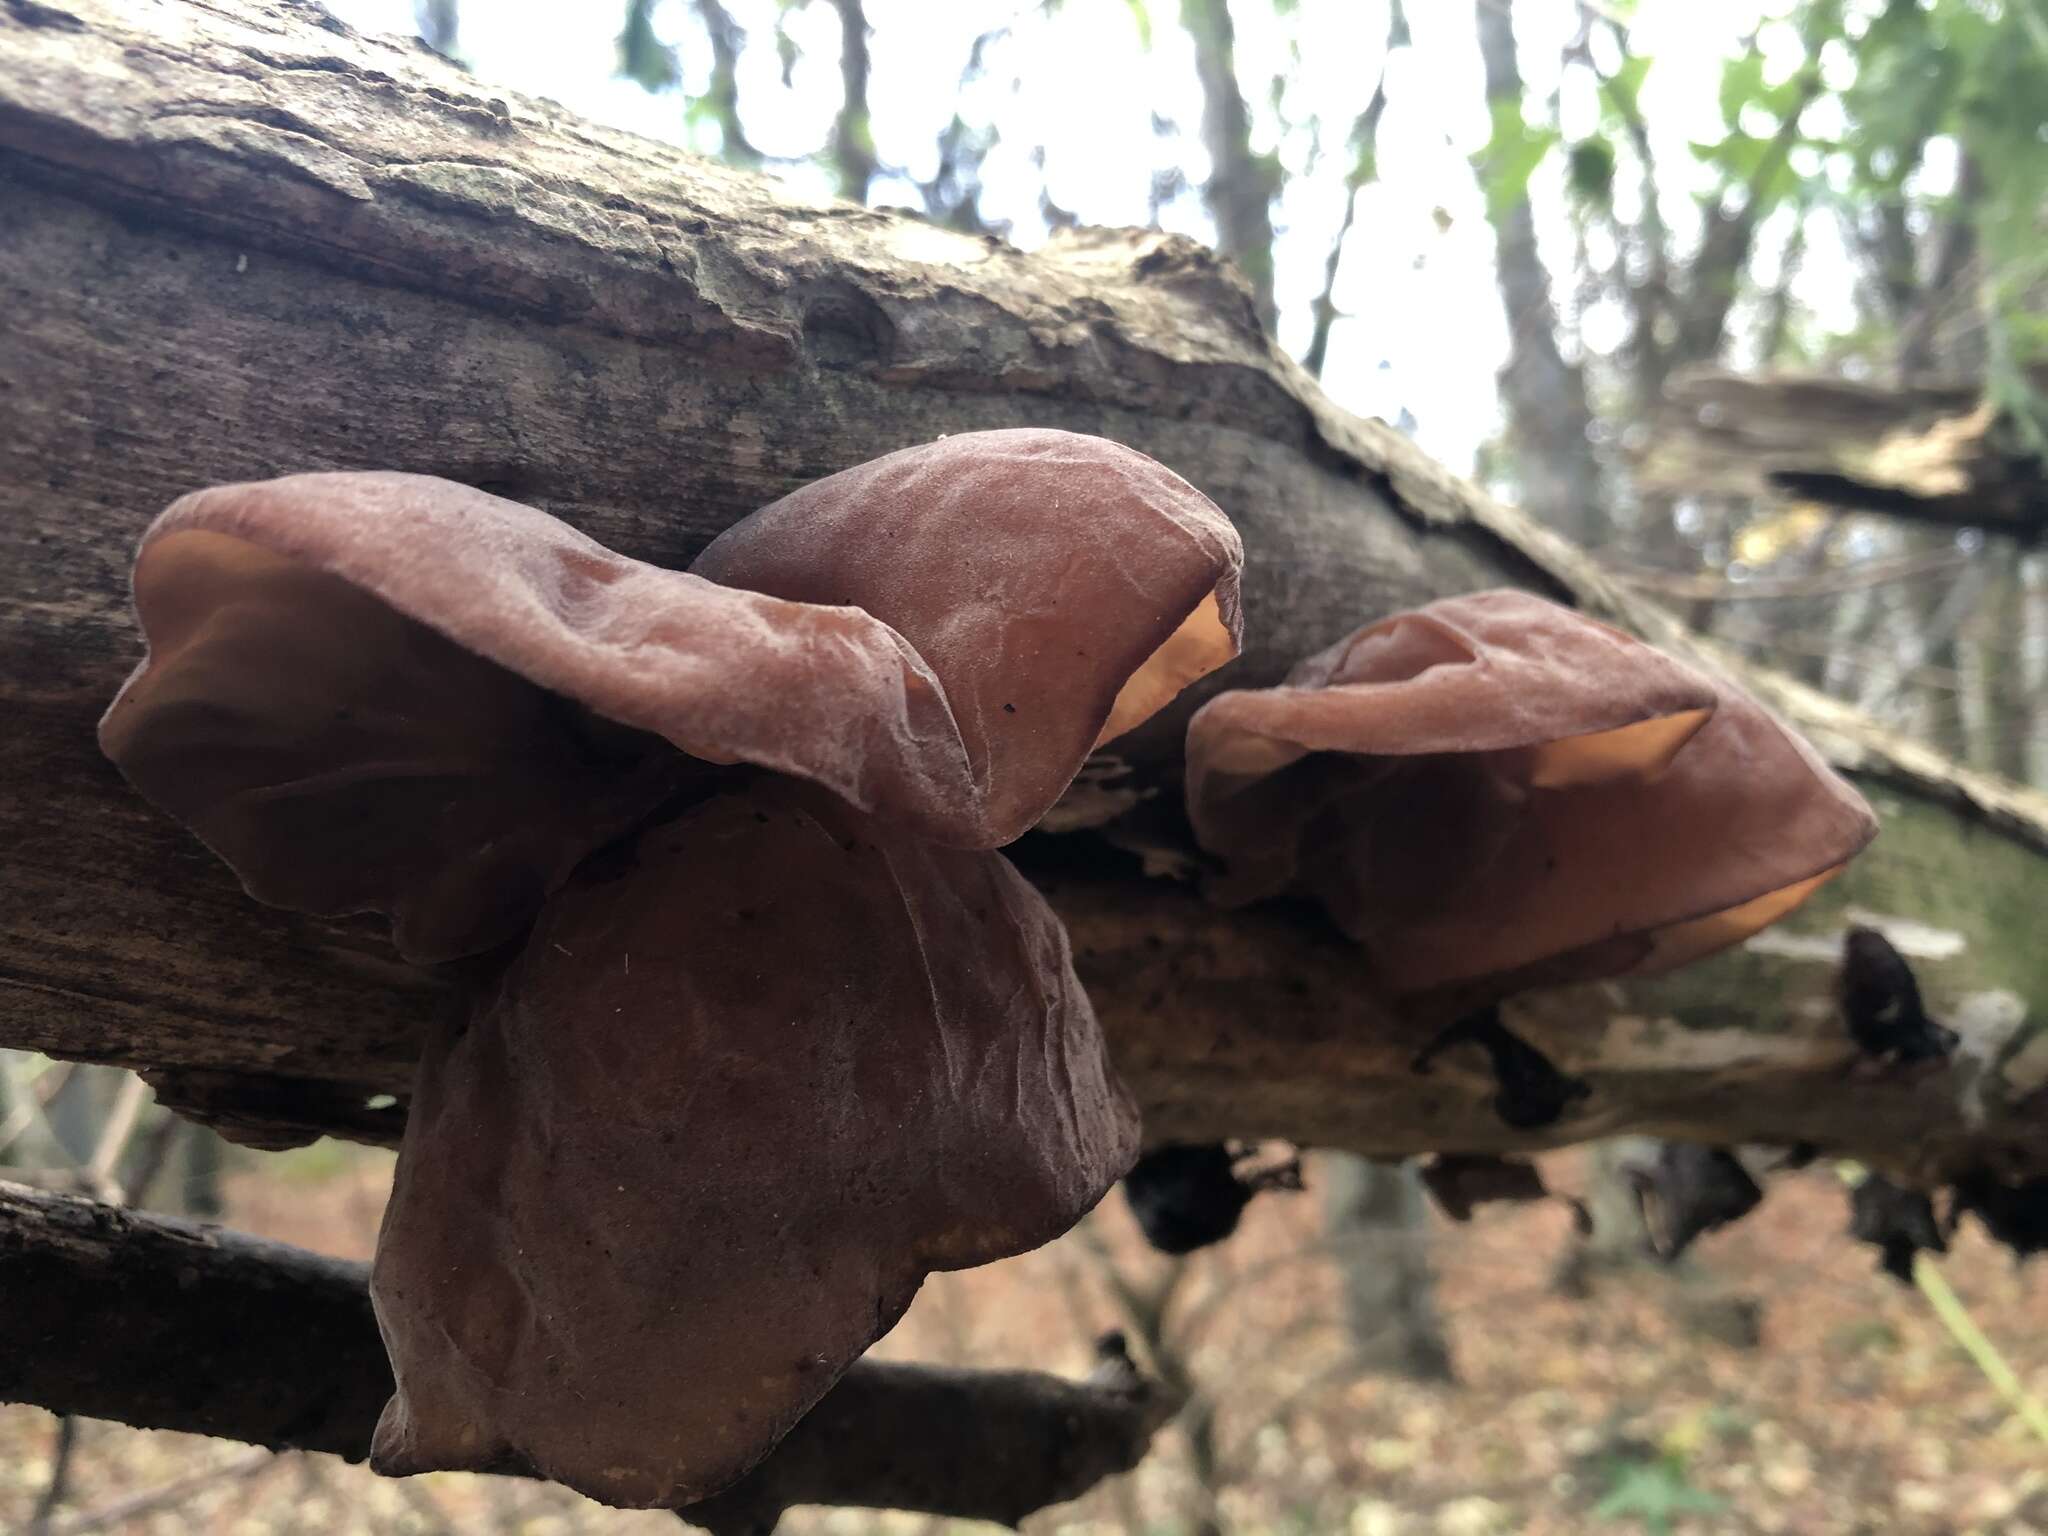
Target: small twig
34,1102
1857,578
154,1154
1955,1317
60,1476
114,1136
164,1495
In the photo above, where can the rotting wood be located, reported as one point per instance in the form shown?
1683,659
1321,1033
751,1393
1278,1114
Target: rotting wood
241,241
1935,452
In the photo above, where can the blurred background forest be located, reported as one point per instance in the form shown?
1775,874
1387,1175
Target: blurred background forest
1751,301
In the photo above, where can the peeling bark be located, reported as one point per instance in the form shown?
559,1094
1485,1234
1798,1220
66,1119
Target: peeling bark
242,241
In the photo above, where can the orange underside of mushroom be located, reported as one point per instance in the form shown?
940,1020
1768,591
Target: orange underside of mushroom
1495,792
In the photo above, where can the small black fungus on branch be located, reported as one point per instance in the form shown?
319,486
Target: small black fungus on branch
1458,1181
1881,1002
1187,1197
1897,1222
1690,1191
1533,1092
2014,1214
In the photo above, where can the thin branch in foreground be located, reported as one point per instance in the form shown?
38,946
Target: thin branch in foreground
1855,578
172,1324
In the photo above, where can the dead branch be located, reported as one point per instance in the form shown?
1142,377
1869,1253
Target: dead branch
172,1324
1929,452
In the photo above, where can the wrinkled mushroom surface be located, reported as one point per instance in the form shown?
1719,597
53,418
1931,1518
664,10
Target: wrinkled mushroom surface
746,1084
1062,588
342,757
394,693
1498,790
777,1045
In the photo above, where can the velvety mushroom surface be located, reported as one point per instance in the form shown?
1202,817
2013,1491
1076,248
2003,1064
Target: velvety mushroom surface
1495,789
747,1083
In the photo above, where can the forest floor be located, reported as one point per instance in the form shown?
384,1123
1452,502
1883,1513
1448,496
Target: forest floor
1852,1412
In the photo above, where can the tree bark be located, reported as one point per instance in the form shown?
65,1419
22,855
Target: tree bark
1375,1220
170,1324
242,241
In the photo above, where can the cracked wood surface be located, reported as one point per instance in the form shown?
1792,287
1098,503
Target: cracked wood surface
241,240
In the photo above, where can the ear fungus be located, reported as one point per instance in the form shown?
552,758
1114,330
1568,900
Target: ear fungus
392,693
1494,791
1062,589
742,1089
777,1044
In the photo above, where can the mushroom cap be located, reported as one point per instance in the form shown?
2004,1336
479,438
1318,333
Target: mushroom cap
703,1143
1496,790
390,692
1063,588
342,757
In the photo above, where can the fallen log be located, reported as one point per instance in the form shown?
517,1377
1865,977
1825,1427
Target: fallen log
242,240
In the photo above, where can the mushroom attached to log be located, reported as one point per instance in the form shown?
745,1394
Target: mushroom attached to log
1494,792
748,1081
782,1035
1186,1197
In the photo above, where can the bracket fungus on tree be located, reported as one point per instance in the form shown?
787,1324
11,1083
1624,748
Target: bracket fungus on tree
771,1033
1494,792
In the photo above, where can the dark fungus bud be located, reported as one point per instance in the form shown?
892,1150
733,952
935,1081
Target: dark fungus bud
1459,1181
1533,1092
1881,1002
1188,1197
1897,1222
2014,1214
1690,1191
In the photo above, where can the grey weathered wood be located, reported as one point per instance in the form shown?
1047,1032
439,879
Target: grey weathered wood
239,240
1932,451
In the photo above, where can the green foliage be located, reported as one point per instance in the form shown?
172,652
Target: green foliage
1742,81
1975,71
1511,156
1653,1493
1622,91
1141,18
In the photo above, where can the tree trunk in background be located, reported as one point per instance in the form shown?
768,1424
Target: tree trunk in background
723,92
1619,1239
1376,1221
1241,185
440,25
2029,700
853,135
1550,424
